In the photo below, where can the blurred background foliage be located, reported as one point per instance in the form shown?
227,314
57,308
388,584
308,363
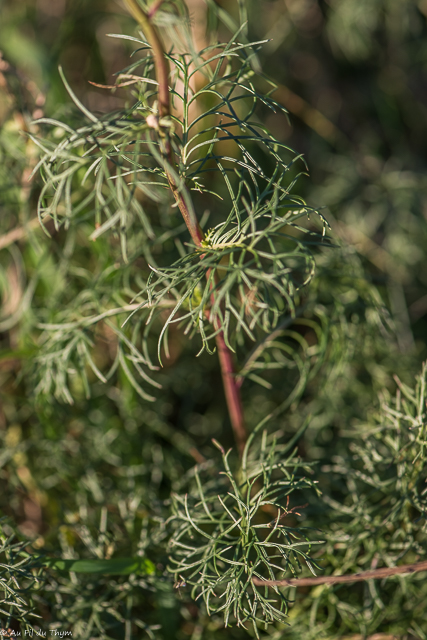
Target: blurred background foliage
92,478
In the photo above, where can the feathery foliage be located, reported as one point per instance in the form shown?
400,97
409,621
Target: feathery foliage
179,231
220,543
256,259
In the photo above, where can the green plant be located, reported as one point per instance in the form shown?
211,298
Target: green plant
232,282
236,281
18,574
221,543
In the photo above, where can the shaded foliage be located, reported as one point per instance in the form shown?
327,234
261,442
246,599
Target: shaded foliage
106,477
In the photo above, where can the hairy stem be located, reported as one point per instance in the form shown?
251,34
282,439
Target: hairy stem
373,574
183,200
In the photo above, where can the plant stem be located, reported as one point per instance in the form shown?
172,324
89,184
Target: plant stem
232,392
162,75
231,387
372,574
155,7
160,61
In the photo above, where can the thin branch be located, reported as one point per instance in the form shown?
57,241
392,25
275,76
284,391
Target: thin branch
162,75
17,234
160,60
374,252
232,393
373,574
90,320
231,388
155,7
311,116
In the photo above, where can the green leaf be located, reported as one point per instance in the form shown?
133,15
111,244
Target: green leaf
113,566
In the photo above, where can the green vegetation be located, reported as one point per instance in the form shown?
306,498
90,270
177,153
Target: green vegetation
208,380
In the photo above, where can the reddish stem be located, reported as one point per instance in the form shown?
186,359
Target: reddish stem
162,75
372,574
160,60
154,8
232,392
231,387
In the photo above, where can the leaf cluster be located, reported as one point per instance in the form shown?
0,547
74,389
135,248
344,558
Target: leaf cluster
19,577
373,505
251,265
321,345
231,528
